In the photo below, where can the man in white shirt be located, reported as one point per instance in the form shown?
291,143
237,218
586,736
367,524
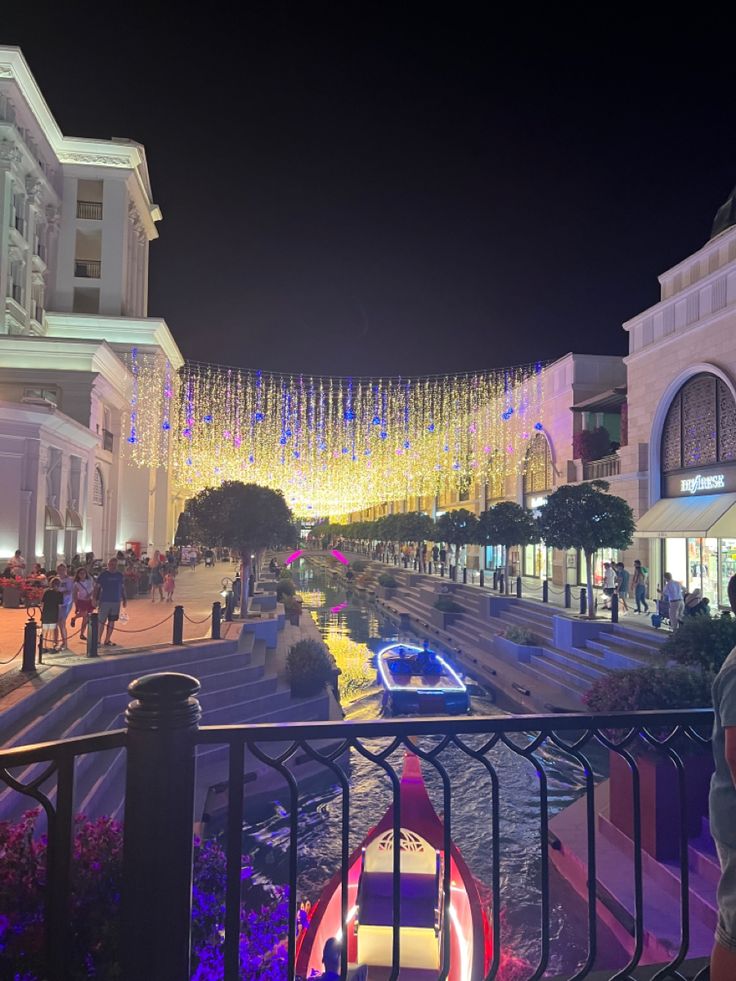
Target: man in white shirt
609,584
672,594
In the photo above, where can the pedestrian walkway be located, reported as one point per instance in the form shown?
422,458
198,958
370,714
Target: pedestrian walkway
149,624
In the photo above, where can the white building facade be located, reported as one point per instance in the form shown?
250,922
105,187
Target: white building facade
76,221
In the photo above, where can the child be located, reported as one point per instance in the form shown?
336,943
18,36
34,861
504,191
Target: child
169,586
51,604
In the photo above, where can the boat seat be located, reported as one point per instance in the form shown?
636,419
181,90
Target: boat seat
418,899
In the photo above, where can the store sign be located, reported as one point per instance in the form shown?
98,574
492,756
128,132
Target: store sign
691,483
694,485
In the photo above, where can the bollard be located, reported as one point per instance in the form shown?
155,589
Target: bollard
430,567
216,618
230,606
93,634
583,601
156,902
29,645
518,587
482,579
495,578
442,571
568,595
501,583
178,638
465,576
545,591
614,608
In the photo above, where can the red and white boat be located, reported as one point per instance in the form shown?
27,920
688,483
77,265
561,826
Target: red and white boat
369,940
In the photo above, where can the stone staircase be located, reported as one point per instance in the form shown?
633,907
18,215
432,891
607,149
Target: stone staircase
240,684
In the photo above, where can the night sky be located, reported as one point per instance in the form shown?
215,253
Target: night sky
367,189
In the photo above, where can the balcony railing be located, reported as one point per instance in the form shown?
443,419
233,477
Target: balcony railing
89,209
107,440
38,312
515,763
16,292
87,268
39,249
607,466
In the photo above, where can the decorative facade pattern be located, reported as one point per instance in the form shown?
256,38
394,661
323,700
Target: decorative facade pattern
538,475
700,428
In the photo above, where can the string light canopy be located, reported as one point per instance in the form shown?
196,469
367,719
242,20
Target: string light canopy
332,445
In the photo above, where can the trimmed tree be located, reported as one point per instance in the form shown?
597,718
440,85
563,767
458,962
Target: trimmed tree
584,516
248,517
507,524
458,528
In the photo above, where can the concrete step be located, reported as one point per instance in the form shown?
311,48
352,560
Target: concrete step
582,661
520,619
616,657
570,677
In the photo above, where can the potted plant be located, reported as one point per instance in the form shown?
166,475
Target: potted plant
649,688
445,611
284,588
387,584
308,668
293,607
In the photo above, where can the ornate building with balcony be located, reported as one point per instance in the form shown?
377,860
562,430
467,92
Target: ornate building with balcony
77,217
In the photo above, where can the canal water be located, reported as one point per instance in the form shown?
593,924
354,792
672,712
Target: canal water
354,630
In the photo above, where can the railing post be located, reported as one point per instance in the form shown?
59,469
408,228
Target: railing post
216,618
518,587
568,595
501,583
482,579
583,601
230,606
29,645
465,576
157,830
495,578
614,608
545,591
178,638
93,634
442,570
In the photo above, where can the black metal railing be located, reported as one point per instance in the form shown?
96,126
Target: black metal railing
90,209
87,268
163,738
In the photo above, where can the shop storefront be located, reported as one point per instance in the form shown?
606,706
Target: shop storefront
694,522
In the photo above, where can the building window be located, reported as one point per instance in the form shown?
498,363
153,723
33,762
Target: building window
538,465
700,428
98,490
41,395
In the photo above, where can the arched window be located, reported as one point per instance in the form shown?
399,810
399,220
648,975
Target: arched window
98,490
700,427
538,465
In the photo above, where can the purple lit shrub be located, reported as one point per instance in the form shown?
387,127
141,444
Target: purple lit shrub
94,907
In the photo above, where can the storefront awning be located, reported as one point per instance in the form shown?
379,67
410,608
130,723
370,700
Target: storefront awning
73,520
703,516
54,520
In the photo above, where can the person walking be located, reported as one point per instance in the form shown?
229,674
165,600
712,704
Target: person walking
110,594
722,811
672,595
609,584
639,582
66,588
51,603
82,594
157,582
622,585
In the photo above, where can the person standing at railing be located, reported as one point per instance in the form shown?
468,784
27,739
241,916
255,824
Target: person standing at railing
723,818
639,582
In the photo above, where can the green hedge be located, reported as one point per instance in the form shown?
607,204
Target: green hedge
702,642
649,688
308,667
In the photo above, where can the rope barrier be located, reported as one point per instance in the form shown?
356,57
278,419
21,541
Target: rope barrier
10,660
203,620
141,630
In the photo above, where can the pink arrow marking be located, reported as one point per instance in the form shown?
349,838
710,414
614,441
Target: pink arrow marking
336,609
339,556
294,555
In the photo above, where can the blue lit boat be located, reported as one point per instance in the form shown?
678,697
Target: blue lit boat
418,681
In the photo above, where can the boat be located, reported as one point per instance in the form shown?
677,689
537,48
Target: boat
417,680
423,901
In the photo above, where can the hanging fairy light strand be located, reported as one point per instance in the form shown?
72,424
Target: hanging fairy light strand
332,445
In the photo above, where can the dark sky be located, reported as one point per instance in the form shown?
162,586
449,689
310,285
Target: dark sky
368,189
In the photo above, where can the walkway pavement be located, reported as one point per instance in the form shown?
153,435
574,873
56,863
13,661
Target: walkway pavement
149,625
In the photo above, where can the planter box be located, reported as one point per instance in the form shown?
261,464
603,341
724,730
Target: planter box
386,592
515,652
443,620
11,597
658,783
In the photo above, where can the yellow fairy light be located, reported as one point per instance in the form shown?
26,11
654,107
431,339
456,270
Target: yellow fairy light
332,445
